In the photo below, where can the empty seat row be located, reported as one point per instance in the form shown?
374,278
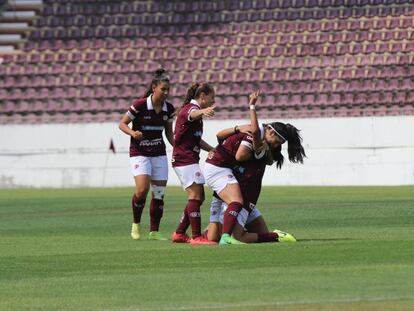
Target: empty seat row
132,31
54,7
215,41
227,83
203,17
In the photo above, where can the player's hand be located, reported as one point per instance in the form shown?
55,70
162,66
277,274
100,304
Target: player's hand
138,135
209,111
253,97
211,153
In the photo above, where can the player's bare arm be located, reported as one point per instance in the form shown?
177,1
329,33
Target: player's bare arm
124,127
200,113
257,141
223,134
205,146
169,133
243,153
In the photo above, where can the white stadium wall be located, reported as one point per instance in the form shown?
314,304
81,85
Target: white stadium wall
341,151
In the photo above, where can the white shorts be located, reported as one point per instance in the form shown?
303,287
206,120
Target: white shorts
189,174
218,207
218,177
156,167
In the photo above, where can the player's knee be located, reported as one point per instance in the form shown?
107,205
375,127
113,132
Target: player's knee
141,192
158,192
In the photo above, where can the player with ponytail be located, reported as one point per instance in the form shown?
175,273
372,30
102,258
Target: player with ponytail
198,104
149,115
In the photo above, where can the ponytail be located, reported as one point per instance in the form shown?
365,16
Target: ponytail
191,92
195,90
278,156
295,149
291,134
160,75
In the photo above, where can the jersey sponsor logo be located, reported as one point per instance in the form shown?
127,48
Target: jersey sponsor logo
147,117
196,149
150,143
198,133
152,127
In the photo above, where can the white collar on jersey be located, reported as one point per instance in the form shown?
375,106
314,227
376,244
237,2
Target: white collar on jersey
194,102
151,107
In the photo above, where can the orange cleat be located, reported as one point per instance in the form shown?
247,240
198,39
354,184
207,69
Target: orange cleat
200,240
180,238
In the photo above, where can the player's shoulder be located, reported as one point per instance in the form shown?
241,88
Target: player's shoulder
140,103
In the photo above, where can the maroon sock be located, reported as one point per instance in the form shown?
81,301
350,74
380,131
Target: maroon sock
194,215
137,207
230,216
156,209
184,222
267,237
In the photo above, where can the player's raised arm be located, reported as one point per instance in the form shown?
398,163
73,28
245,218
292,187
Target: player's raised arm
255,130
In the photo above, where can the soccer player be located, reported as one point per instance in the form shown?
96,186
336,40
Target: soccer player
149,115
251,226
199,103
240,148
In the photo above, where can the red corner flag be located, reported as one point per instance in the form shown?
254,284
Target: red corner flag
112,146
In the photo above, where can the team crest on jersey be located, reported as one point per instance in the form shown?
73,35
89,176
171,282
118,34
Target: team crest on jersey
136,166
230,176
198,174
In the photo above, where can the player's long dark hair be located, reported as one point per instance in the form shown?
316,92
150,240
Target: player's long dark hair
195,90
296,151
160,75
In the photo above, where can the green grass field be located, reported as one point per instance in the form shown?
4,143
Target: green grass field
71,250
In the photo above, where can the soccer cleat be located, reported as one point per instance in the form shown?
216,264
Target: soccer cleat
227,239
180,238
135,231
284,236
200,240
156,236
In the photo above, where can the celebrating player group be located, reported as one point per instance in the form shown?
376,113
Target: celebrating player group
234,168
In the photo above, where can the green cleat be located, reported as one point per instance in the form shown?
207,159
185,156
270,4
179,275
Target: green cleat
135,231
156,236
227,239
284,236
